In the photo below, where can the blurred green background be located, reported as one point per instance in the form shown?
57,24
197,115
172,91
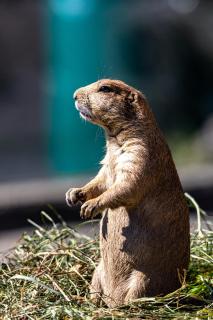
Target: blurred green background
142,42
50,48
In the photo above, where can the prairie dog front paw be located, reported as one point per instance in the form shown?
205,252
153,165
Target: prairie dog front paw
90,209
75,195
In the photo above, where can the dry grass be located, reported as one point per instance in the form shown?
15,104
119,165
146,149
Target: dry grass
47,275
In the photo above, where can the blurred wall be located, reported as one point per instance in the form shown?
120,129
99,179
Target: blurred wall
21,145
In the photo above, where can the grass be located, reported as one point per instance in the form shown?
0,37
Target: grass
47,275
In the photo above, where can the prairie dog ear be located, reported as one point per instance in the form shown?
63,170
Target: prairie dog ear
131,97
135,97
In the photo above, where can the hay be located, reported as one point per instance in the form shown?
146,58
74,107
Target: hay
46,276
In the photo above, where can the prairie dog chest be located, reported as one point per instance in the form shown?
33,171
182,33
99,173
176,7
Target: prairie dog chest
111,162
118,161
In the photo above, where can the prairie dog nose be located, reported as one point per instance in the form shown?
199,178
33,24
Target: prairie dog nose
75,95
78,93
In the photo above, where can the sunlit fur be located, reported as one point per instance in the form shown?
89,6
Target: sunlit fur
144,230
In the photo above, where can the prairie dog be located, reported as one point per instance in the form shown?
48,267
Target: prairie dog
144,230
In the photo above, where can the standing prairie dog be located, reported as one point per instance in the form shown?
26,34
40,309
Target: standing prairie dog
144,230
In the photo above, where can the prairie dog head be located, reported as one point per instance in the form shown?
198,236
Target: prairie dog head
110,104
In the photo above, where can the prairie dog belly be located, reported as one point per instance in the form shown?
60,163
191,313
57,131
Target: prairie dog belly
120,234
133,236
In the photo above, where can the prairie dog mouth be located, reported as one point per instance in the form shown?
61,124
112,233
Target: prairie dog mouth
84,112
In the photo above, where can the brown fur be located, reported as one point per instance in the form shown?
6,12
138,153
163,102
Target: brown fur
144,230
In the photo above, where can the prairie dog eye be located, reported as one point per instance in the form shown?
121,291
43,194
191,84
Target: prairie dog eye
105,89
